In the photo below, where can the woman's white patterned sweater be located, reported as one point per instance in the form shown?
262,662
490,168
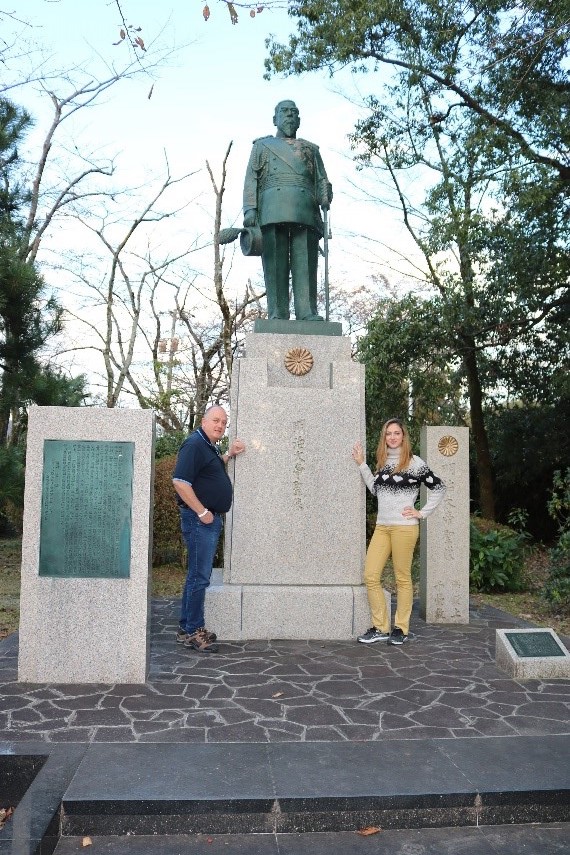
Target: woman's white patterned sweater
397,490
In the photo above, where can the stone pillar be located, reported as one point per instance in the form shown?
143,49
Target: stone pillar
86,547
295,538
444,545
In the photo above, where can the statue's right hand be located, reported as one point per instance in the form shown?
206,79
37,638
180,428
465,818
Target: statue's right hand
250,219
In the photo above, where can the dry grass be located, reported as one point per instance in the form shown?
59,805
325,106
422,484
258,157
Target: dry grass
529,605
10,557
168,580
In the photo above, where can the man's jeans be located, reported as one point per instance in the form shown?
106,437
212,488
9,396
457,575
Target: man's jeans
201,541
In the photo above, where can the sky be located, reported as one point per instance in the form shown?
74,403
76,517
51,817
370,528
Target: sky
209,91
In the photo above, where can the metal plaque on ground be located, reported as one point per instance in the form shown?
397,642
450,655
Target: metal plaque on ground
534,644
531,654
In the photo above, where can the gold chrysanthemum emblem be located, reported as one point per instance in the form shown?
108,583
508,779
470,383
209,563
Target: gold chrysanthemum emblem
448,446
298,361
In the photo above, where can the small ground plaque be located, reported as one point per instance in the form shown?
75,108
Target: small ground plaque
87,491
531,654
534,644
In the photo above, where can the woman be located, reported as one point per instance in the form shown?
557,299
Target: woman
396,485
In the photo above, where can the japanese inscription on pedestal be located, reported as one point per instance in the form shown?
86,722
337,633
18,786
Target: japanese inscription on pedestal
298,463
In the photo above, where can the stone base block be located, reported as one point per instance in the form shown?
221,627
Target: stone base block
283,327
239,612
513,647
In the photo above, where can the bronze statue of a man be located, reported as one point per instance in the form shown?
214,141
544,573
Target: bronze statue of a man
285,187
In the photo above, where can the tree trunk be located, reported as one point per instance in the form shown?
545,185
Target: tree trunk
479,432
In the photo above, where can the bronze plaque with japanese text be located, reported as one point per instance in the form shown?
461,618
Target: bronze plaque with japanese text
534,644
87,493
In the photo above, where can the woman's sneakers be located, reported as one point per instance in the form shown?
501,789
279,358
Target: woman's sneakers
371,635
397,636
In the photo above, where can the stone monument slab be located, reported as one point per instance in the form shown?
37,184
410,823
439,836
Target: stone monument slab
444,540
531,654
86,546
299,503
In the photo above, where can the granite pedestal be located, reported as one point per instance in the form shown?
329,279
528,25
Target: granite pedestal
295,538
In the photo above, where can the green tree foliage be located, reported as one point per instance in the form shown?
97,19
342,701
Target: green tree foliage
26,322
407,367
500,60
476,111
528,445
28,317
168,444
11,489
499,265
167,543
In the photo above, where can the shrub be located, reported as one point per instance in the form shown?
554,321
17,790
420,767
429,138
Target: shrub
168,444
167,543
557,588
496,556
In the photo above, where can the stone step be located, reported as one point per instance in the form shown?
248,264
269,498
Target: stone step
237,788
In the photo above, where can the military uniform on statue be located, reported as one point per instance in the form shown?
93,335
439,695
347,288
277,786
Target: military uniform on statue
285,187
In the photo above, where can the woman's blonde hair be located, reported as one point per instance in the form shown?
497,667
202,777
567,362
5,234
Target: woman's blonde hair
406,453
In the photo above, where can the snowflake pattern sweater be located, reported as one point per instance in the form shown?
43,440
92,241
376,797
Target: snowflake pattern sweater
395,491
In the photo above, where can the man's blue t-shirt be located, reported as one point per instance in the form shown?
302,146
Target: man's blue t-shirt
200,465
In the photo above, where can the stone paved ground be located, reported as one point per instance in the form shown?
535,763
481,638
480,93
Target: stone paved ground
442,684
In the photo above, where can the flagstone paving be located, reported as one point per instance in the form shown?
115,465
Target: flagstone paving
443,684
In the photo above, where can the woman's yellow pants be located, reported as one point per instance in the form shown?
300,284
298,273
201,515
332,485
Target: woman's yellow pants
398,541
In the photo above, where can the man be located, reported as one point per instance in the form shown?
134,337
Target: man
285,184
204,493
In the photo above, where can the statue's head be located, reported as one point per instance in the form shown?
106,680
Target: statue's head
286,119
